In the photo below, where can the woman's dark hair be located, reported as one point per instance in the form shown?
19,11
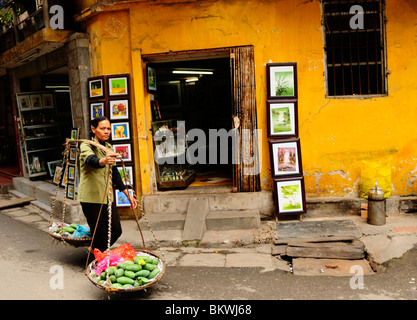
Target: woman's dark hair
94,123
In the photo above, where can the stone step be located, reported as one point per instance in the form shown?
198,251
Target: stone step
233,220
178,203
216,220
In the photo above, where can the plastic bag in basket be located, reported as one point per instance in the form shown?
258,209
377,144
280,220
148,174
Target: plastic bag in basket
125,251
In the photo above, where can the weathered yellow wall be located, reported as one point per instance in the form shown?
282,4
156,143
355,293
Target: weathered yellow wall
336,134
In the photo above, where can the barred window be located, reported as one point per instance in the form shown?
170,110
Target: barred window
354,46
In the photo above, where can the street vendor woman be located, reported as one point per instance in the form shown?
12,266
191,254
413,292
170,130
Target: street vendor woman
94,171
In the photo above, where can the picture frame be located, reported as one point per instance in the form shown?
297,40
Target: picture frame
151,79
285,157
64,179
96,109
124,149
121,199
119,109
24,102
70,191
289,196
282,81
282,118
96,87
74,133
72,154
128,175
57,175
36,101
48,100
120,131
118,85
71,173
52,166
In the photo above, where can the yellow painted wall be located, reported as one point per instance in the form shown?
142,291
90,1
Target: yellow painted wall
336,134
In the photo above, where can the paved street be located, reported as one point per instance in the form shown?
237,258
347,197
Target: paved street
32,259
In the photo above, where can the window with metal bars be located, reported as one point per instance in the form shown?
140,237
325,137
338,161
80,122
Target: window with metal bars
355,56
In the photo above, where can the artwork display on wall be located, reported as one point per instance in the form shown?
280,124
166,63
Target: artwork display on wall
284,144
114,103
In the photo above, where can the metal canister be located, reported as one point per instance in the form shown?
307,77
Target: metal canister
376,206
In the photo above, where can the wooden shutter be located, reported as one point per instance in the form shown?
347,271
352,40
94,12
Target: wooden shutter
245,174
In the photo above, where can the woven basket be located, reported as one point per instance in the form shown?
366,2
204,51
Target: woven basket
75,242
161,266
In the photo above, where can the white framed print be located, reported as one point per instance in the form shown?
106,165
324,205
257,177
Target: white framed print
24,102
121,199
120,131
96,109
127,174
285,157
282,118
119,109
125,150
289,195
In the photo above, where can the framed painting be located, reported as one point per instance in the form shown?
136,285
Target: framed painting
23,102
290,196
285,157
75,132
57,175
282,80
64,179
151,79
70,191
71,173
48,100
282,118
125,150
52,166
72,154
120,131
119,109
96,87
96,109
36,101
119,85
127,174
121,199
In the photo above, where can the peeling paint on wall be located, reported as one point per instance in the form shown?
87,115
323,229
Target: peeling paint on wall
411,177
339,172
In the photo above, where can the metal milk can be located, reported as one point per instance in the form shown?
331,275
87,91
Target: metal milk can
376,206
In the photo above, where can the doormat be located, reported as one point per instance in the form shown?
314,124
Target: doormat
317,229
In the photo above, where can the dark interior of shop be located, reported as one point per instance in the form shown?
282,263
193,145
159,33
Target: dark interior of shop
199,93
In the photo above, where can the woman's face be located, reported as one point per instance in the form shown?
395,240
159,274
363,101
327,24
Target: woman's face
102,131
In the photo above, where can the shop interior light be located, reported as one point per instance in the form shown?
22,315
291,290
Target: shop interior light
191,80
192,71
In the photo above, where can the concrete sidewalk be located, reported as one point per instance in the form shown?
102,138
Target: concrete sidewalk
244,248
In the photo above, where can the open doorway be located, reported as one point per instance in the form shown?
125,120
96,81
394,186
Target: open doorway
199,93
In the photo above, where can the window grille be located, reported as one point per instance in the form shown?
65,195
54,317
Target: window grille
355,56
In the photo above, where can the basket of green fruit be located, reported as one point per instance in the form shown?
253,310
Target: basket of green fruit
120,275
73,234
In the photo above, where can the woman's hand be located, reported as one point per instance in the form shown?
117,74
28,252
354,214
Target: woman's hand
109,159
132,200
